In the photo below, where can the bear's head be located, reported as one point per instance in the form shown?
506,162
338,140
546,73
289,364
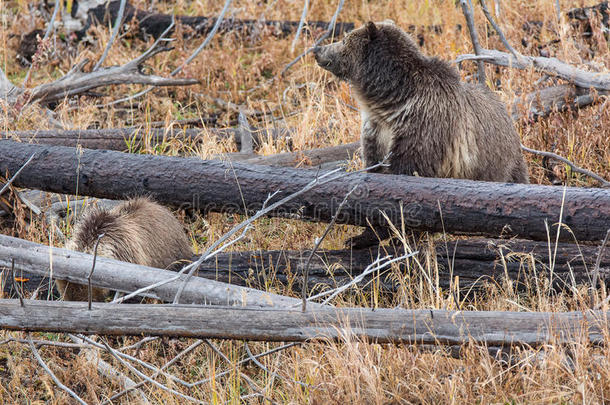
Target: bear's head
372,52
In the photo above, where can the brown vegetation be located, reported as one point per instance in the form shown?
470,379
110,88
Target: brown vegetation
245,70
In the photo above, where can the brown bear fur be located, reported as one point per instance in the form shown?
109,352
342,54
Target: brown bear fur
137,231
417,108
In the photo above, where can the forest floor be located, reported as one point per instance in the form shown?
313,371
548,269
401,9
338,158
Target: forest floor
245,70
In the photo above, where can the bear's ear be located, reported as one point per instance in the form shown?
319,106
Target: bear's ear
371,30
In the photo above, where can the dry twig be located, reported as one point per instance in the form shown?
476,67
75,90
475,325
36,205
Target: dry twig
474,37
574,168
50,373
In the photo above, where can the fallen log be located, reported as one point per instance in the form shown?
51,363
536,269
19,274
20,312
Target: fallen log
551,66
381,325
474,262
542,102
468,207
155,23
72,266
121,139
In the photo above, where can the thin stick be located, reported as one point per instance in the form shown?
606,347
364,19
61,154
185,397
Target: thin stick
301,23
189,349
92,354
48,370
498,30
17,290
244,361
467,10
117,24
8,183
265,369
207,40
144,376
575,168
317,245
89,289
37,343
329,30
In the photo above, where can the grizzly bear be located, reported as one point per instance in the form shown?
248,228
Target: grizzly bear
137,231
415,109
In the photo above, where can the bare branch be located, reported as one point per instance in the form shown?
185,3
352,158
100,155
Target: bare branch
50,373
189,59
207,40
329,31
77,81
551,66
92,354
324,179
498,30
575,168
89,288
115,31
301,23
317,245
147,378
468,14
10,181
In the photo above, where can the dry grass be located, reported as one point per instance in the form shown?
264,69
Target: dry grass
238,69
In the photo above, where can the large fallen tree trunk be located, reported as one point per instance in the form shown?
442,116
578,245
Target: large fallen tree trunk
121,139
451,205
270,324
155,23
474,262
72,266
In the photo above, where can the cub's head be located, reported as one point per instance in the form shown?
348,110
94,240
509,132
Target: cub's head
374,51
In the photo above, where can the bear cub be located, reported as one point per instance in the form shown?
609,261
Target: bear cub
138,231
417,108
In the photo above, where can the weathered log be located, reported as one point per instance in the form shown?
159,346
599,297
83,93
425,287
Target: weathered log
155,23
120,139
542,102
72,266
474,262
493,328
551,66
582,15
467,207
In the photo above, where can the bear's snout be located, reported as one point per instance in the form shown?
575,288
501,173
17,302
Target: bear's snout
323,57
318,52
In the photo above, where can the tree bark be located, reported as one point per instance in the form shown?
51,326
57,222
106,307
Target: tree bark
493,328
466,207
72,266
